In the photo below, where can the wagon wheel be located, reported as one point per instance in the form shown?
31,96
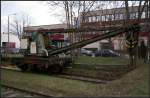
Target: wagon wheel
61,65
23,67
56,69
34,68
49,70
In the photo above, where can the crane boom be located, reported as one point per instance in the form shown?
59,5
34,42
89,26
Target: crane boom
52,62
88,41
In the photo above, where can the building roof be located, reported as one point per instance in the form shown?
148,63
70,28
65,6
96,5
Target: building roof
53,26
110,11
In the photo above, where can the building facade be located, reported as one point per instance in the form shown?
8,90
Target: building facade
13,45
55,39
108,18
113,18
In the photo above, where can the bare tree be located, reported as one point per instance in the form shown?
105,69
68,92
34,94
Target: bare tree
84,8
18,24
140,11
70,8
148,30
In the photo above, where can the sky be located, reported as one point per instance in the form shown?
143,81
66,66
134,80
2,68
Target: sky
39,12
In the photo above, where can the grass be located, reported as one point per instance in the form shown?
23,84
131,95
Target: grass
50,84
134,84
101,60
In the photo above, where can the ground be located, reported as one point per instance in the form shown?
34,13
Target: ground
101,60
134,83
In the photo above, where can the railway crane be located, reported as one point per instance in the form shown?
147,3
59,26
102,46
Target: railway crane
37,54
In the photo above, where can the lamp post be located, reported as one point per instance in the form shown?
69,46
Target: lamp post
8,31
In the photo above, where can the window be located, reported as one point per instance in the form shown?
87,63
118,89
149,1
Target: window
132,15
4,44
28,34
86,19
90,19
136,16
103,18
107,17
94,18
143,15
148,14
117,16
111,17
99,18
121,16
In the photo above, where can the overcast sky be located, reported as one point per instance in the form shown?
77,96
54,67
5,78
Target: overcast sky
38,11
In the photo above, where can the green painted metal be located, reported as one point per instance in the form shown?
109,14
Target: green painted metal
53,59
80,44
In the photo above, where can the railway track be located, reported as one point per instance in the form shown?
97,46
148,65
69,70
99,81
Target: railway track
67,76
81,78
10,91
103,67
104,78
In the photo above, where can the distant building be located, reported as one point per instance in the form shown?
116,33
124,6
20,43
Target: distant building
9,44
107,18
12,46
57,39
112,18
14,42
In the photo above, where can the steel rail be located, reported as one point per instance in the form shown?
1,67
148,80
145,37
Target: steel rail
75,77
68,76
26,91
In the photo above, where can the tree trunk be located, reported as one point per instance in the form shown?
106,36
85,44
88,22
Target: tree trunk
148,45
